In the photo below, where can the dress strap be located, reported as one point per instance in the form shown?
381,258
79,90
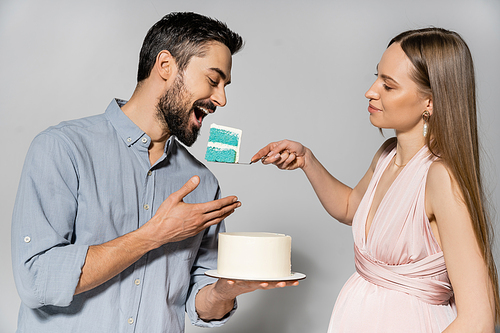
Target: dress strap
414,278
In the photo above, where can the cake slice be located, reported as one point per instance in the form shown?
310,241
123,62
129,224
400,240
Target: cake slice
223,144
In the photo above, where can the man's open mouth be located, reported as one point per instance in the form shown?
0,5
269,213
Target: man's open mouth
200,113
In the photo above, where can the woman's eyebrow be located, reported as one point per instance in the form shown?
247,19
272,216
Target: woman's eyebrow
386,77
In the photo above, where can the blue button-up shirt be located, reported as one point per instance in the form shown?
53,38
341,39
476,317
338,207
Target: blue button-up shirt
86,182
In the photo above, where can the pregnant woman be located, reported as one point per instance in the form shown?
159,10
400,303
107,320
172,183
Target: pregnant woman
421,234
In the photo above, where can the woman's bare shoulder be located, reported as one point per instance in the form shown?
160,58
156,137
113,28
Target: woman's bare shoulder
442,189
440,176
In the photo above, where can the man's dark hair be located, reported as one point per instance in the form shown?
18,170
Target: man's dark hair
184,35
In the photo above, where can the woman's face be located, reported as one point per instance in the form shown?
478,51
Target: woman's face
394,99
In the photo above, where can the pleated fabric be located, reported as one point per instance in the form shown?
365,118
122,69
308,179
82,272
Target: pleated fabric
401,283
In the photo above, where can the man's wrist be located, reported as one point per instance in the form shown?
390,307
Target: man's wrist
217,296
145,239
212,304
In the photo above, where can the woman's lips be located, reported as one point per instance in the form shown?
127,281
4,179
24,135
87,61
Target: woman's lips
373,109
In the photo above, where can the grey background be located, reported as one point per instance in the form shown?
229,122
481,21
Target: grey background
302,75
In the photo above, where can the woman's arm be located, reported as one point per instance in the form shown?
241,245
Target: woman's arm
338,199
466,267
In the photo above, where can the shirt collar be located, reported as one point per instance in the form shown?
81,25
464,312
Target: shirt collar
127,129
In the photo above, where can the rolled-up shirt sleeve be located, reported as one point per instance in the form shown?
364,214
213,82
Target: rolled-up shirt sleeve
46,263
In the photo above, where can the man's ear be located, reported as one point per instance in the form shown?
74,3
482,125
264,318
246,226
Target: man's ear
165,65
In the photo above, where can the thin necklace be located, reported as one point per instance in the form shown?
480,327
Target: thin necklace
399,166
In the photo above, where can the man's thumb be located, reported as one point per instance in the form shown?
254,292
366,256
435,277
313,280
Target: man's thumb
188,187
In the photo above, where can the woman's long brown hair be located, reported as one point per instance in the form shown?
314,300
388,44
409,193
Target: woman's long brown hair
444,70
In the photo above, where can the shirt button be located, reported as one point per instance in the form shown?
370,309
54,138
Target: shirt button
150,173
144,140
129,139
27,239
146,206
137,282
130,320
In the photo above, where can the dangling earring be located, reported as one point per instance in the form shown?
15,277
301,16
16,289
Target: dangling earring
426,116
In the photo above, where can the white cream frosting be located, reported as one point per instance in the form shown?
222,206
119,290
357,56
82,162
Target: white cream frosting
254,255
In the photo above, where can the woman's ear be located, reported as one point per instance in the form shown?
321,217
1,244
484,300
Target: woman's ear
429,105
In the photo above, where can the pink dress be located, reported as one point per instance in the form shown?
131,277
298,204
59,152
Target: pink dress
401,283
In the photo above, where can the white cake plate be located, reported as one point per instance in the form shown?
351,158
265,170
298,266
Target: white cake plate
295,276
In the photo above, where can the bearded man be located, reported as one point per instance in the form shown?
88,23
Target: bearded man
115,221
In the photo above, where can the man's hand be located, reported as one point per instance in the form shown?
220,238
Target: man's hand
216,300
230,288
176,220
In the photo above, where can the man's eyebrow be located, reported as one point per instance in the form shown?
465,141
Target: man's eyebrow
221,74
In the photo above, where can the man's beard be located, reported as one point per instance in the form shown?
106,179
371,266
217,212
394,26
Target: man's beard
174,111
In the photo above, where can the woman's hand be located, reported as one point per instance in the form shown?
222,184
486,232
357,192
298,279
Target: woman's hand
285,154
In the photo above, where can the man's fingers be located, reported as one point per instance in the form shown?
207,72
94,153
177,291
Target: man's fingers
218,204
238,287
217,216
219,209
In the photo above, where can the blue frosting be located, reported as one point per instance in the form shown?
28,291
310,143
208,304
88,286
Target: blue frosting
223,136
215,154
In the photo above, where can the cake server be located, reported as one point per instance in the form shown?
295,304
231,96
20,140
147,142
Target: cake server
244,163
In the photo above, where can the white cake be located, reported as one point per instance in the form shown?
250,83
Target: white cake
254,255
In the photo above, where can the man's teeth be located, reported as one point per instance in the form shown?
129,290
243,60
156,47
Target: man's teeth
204,110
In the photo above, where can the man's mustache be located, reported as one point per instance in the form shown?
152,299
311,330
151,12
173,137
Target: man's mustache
206,104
